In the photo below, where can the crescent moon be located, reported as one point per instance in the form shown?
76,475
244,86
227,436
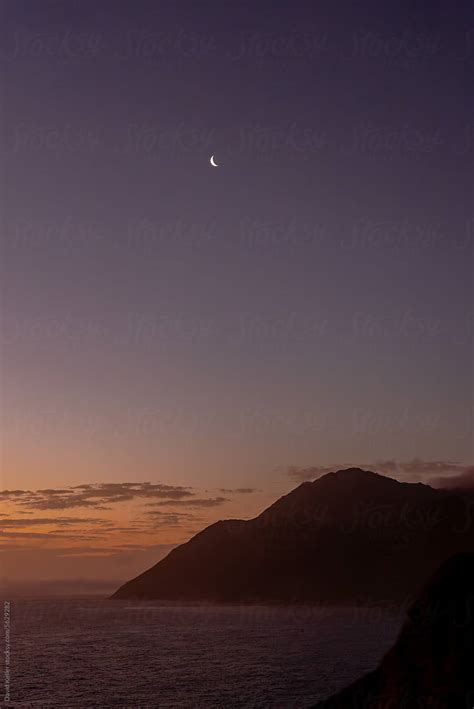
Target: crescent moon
213,162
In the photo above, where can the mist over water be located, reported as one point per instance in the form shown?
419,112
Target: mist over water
100,653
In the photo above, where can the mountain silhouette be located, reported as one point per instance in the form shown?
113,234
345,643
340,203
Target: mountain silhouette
350,536
431,663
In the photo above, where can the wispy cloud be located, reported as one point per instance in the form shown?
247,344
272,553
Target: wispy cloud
12,494
312,472
61,521
191,502
464,479
168,519
238,490
93,495
152,508
46,535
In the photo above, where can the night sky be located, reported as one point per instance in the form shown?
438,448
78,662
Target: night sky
307,303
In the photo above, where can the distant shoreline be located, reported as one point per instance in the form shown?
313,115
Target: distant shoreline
159,603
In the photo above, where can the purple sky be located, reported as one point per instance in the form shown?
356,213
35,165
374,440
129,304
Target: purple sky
306,302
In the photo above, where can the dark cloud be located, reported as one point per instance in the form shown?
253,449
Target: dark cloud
238,490
310,473
132,528
6,494
168,519
462,480
417,466
45,502
62,521
54,491
95,496
206,502
46,535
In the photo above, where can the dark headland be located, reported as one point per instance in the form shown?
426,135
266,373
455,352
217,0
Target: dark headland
432,662
352,536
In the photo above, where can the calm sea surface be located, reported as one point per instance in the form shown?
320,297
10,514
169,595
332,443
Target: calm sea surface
100,653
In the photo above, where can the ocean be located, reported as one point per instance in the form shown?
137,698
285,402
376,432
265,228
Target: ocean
93,652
